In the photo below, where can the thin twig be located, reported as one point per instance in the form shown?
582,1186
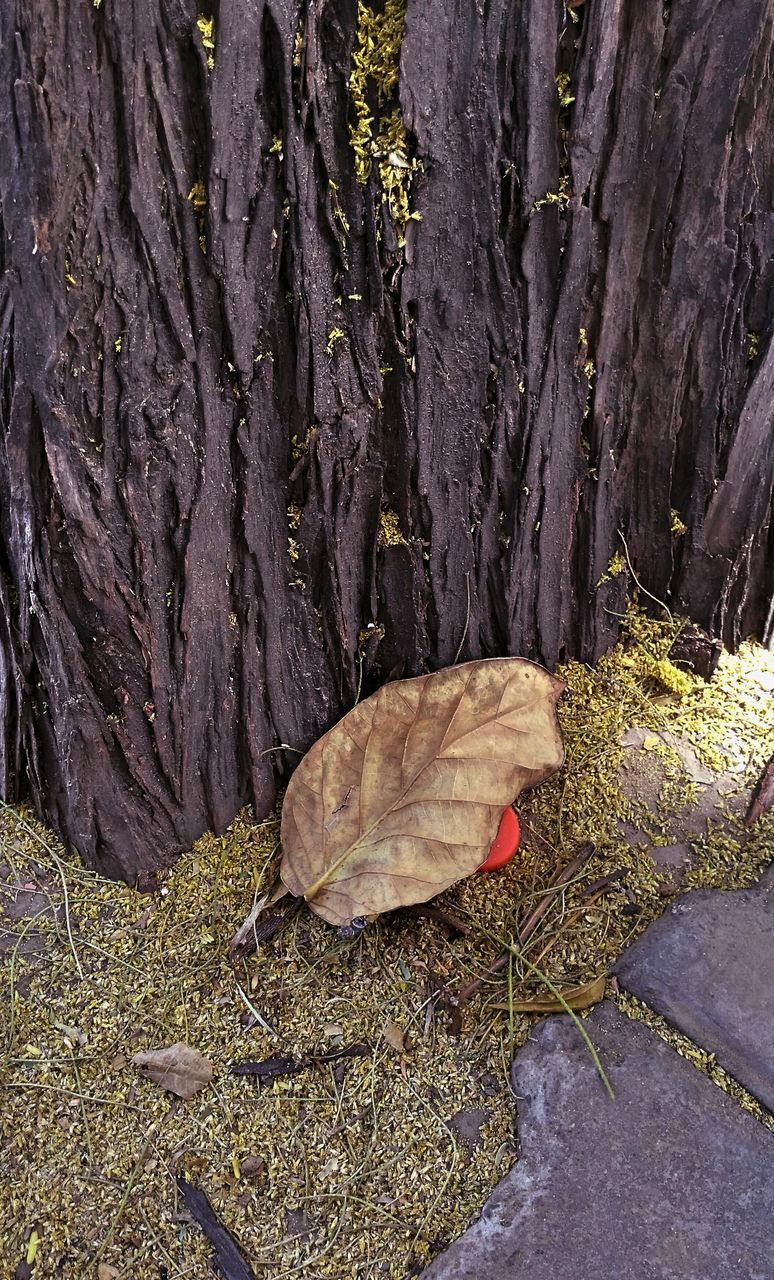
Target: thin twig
258,1016
532,921
228,1256
127,1192
644,590
428,912
467,621
568,921
60,868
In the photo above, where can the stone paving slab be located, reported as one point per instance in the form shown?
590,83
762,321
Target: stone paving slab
707,966
671,1181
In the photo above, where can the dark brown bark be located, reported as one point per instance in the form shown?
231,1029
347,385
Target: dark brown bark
163,367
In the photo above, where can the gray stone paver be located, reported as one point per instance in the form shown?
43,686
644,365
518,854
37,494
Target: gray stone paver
671,1181
707,965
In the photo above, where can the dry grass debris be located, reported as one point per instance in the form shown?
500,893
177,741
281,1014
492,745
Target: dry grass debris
352,1168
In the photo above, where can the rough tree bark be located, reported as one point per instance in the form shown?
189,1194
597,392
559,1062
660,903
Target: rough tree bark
264,441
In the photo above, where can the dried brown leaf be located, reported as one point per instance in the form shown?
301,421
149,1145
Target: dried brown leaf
582,997
404,796
179,1069
394,1036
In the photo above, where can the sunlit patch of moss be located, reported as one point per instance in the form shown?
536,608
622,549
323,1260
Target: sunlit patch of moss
675,523
561,198
198,196
563,89
336,335
390,533
207,31
381,138
616,567
299,447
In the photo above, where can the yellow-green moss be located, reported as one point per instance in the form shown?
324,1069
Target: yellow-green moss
336,334
676,525
390,533
381,139
616,567
207,32
563,89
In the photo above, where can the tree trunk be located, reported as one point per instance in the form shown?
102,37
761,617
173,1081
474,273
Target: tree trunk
334,350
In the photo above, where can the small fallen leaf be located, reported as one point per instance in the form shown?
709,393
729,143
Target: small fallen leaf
394,1036
106,1272
404,796
253,1167
582,997
179,1069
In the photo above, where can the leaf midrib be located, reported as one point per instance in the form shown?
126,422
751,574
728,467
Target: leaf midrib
330,872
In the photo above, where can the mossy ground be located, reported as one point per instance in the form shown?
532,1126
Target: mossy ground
363,1175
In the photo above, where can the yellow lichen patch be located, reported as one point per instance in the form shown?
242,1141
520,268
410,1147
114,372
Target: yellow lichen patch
563,89
675,523
616,566
299,447
207,31
369,1155
298,44
198,196
373,87
336,334
390,534
560,197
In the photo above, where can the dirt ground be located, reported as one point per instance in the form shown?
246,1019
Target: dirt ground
368,1166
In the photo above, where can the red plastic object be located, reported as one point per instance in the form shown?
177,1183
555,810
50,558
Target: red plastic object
505,843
